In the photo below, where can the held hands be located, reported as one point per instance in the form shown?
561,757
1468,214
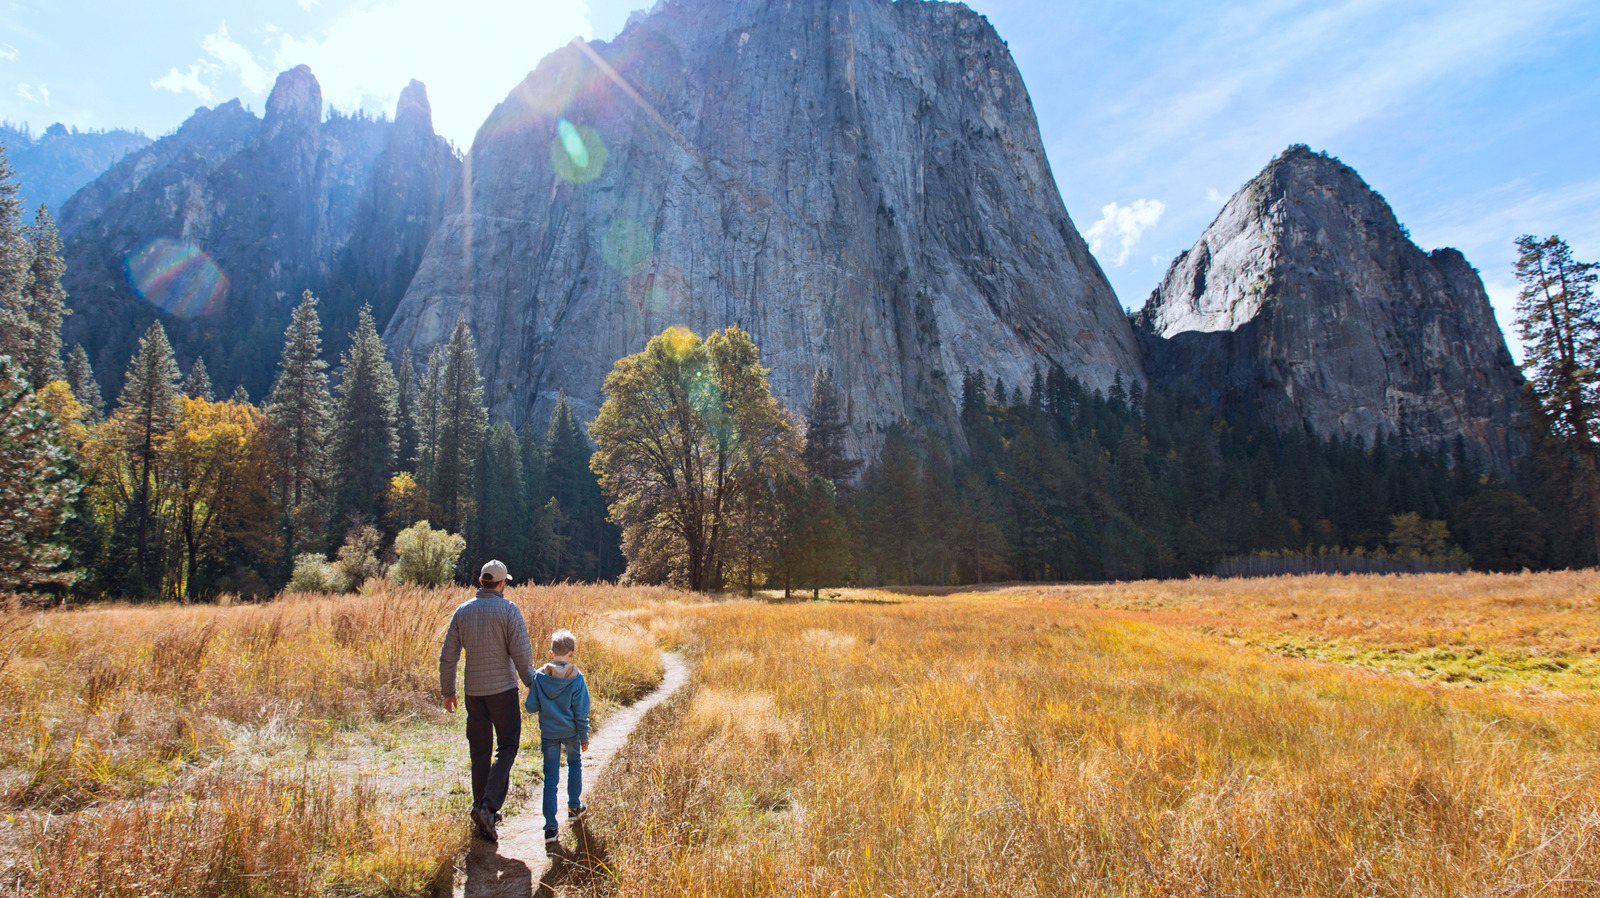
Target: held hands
450,703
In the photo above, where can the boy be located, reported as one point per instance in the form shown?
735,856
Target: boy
561,699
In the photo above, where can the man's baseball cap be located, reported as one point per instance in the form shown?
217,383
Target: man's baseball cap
496,570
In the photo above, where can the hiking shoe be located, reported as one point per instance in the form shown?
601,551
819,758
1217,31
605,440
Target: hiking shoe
577,813
485,820
550,834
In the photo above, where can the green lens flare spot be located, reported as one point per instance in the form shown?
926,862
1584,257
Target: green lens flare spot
628,246
578,153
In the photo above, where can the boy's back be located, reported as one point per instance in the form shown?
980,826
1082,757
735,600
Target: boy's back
561,697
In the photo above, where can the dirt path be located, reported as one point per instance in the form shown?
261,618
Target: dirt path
519,867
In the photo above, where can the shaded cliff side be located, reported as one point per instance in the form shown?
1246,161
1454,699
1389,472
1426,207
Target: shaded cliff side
217,228
1306,305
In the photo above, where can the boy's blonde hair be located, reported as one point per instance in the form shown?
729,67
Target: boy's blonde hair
562,642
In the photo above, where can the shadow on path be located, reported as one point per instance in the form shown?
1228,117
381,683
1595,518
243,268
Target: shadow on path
586,863
518,866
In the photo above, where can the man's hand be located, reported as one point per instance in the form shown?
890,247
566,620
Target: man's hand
450,703
585,746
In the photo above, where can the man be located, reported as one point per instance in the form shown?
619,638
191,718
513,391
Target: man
495,638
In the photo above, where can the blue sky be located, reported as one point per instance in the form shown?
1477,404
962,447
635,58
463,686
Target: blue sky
1478,120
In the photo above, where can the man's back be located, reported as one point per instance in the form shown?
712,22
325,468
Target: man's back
495,638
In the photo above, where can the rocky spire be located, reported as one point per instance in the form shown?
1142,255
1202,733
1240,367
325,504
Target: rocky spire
413,111
296,98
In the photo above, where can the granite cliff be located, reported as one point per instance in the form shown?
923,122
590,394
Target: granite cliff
1306,305
858,183
217,228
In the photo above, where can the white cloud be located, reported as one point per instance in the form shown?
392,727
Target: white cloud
8,52
223,55
1124,224
1213,195
186,82
365,57
34,94
232,55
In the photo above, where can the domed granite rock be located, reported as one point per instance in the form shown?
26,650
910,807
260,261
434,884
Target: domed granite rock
1306,305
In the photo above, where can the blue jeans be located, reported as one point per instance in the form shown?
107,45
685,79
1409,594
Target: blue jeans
552,775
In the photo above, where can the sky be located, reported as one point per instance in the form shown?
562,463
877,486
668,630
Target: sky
1478,120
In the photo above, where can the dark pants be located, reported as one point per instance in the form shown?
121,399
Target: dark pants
493,720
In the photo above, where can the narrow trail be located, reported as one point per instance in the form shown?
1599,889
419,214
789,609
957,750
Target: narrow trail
518,866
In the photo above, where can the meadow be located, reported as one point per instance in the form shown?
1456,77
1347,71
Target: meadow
1379,735
295,748
1203,737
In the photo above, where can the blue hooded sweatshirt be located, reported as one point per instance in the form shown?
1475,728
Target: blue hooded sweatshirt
561,699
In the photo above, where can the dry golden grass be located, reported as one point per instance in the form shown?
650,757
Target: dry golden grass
1507,630
1114,741
185,750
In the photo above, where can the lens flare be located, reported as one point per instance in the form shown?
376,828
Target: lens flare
178,278
578,153
572,142
656,300
628,246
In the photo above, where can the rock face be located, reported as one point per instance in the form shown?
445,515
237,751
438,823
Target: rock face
1306,305
218,228
54,165
858,183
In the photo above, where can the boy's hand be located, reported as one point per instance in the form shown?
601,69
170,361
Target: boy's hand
450,703
585,746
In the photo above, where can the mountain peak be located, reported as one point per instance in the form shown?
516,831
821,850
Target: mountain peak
414,106
295,97
1305,305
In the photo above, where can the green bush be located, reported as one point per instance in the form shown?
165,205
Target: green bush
313,573
427,556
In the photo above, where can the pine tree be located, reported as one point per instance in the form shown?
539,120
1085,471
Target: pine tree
45,301
240,396
147,409
80,377
408,400
460,427
505,521
364,438
16,260
826,426
197,383
432,397
569,480
1558,318
299,407
37,489
535,494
